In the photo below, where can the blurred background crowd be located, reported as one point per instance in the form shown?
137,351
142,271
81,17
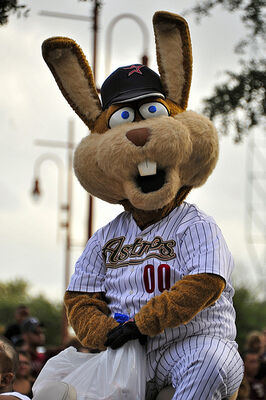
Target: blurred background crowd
28,336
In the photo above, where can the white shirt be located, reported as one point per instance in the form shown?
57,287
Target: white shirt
131,266
16,394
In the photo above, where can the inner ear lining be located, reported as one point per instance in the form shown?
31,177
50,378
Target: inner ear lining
167,28
62,55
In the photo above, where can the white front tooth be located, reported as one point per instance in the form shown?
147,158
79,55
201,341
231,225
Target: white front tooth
147,168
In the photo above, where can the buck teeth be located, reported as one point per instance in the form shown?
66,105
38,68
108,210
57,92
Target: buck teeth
147,168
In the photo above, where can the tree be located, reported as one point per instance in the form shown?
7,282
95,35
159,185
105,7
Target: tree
13,293
11,6
239,103
250,314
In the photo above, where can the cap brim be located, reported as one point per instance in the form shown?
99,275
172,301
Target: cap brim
133,95
139,97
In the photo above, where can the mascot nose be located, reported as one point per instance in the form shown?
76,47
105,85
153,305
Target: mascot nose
138,136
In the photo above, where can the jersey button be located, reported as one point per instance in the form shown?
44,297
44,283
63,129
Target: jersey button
131,292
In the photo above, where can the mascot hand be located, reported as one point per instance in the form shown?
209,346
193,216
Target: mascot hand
118,336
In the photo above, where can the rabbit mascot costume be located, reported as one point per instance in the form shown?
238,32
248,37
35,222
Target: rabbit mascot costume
162,262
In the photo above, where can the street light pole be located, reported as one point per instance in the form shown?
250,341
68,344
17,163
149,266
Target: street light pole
69,200
94,69
68,223
69,145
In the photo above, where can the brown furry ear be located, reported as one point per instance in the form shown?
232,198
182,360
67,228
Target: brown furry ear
73,76
174,56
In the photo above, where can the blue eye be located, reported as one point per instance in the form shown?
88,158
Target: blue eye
151,110
121,116
125,114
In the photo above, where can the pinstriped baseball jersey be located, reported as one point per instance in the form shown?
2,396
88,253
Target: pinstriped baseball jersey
131,266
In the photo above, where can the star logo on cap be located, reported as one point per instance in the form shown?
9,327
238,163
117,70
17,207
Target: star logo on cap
137,69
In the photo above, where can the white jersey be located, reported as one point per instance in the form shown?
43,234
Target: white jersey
131,266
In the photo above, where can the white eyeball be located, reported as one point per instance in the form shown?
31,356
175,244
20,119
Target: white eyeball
151,110
121,116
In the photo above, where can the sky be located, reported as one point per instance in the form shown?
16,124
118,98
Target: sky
32,108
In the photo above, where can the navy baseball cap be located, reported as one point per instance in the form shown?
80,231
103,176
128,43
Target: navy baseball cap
31,324
129,83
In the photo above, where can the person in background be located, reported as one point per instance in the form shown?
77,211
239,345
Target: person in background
13,331
262,370
24,380
34,338
8,369
257,387
264,343
254,342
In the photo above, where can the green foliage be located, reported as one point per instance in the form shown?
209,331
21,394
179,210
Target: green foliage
239,104
251,12
250,314
13,293
11,6
16,290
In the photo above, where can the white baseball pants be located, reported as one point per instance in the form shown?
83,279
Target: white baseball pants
199,368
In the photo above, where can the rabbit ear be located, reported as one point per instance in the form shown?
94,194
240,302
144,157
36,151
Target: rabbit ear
174,56
73,76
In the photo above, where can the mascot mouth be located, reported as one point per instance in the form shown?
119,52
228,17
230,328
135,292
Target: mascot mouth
150,178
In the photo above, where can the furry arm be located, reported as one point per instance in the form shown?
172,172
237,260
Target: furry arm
88,316
186,298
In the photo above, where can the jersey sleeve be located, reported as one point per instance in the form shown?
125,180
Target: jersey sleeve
89,274
204,250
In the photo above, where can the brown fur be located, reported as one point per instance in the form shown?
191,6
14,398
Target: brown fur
88,316
186,298
146,218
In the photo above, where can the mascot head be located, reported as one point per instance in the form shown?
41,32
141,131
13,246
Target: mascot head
144,150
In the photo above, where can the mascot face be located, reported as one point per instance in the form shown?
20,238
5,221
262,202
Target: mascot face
143,147
139,161
145,161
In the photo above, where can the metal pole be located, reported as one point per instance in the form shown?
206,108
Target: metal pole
94,68
95,37
69,199
68,224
